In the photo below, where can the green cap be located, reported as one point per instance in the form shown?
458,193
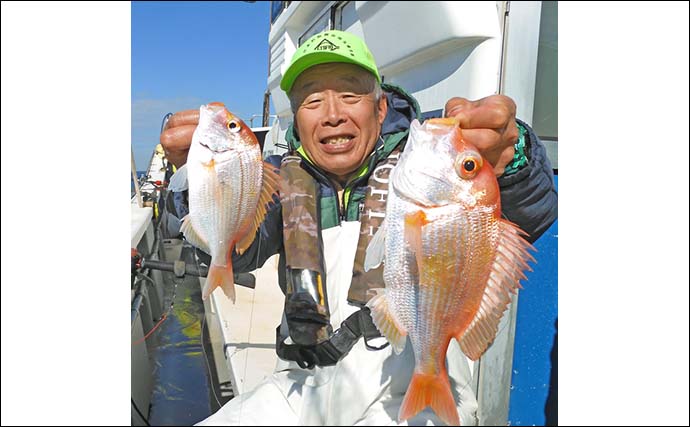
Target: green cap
329,46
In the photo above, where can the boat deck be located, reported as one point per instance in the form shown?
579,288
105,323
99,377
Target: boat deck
246,331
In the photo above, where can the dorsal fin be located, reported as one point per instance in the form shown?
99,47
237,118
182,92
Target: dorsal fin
511,258
269,186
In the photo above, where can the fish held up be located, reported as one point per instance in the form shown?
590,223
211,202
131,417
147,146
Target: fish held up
451,262
229,188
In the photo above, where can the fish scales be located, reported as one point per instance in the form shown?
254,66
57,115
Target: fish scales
450,261
229,189
227,181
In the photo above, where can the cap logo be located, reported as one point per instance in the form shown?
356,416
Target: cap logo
326,45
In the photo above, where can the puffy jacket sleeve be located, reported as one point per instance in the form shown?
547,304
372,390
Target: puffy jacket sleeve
528,197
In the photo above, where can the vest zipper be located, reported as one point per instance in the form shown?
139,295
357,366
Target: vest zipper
352,185
341,207
342,213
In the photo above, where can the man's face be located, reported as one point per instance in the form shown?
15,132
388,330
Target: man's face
337,119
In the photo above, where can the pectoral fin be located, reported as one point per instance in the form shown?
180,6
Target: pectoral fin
376,249
511,257
269,186
386,321
192,236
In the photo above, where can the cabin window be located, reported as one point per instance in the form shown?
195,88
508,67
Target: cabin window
340,16
545,115
277,7
320,25
345,16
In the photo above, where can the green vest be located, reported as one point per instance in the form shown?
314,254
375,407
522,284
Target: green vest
307,210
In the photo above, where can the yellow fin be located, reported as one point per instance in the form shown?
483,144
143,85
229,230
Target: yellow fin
511,257
386,321
269,186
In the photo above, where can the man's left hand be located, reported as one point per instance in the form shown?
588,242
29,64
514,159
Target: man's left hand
488,124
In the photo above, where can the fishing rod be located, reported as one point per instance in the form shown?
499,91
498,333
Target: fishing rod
181,269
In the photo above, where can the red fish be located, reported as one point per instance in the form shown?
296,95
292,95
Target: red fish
450,261
229,188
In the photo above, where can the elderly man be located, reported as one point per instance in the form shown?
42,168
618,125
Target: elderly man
348,132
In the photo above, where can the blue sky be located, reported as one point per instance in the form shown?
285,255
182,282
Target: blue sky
185,54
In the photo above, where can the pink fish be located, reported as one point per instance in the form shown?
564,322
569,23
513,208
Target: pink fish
229,188
450,261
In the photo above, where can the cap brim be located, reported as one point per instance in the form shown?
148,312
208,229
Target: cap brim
316,58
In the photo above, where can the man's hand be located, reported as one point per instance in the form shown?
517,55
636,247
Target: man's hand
488,124
176,138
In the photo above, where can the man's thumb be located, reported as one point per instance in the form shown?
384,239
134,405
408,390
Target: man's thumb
457,108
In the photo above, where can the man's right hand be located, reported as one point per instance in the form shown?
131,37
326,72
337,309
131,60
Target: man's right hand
176,138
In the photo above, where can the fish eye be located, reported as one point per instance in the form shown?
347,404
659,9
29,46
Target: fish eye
233,126
467,164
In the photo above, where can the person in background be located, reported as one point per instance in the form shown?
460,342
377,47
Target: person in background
348,131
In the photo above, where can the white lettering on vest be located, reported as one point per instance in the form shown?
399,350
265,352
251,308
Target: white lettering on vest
381,194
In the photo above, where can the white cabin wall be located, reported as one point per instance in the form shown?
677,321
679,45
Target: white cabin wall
462,72
284,40
456,54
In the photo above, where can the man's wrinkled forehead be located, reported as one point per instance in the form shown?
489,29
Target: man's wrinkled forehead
336,76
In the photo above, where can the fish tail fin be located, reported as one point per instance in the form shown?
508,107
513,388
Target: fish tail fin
220,276
429,390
